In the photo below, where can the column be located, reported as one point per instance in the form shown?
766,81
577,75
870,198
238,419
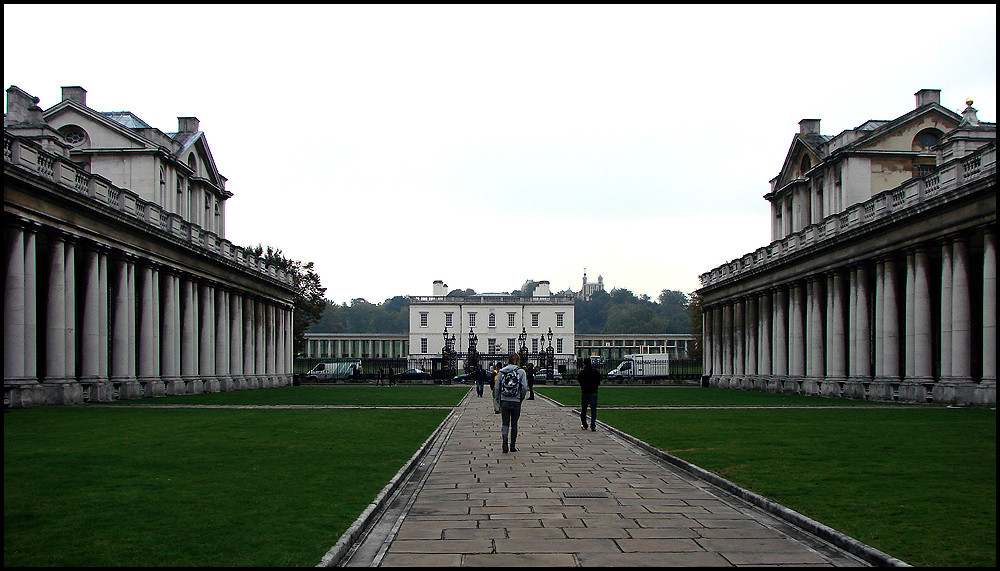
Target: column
119,322
797,338
780,364
946,280
260,348
764,367
891,341
879,319
30,303
920,369
249,359
706,341
55,323
70,289
90,337
852,319
103,326
750,331
270,340
986,392
961,315
727,343
739,342
236,341
13,310
149,374
717,353
910,331
189,360
817,347
206,336
170,338
222,340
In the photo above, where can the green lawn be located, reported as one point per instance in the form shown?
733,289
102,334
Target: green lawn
106,486
439,395
918,483
693,396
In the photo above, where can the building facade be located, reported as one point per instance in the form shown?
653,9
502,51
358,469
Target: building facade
118,280
880,281
613,347
356,346
498,322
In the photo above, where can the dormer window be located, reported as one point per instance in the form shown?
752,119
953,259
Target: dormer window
926,139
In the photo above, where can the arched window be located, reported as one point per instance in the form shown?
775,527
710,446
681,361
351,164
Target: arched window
926,139
806,164
193,162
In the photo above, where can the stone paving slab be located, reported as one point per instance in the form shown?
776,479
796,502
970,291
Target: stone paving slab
476,506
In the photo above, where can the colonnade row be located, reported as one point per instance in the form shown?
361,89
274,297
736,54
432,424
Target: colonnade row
84,322
914,325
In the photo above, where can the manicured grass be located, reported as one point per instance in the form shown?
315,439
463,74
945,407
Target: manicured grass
326,395
103,486
692,396
916,483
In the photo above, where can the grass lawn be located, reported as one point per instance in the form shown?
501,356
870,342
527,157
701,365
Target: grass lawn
446,395
918,483
693,396
106,486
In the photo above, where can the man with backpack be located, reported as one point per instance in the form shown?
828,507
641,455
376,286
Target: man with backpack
511,387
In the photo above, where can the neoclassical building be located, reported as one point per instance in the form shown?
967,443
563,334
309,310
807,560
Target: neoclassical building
118,280
880,281
497,320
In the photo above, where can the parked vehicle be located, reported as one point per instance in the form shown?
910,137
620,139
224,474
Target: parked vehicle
546,375
641,367
412,375
331,370
597,360
466,378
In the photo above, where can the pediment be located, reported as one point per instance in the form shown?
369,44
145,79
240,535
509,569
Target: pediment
101,131
905,134
803,154
197,155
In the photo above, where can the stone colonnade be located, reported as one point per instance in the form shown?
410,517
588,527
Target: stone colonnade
87,322
917,324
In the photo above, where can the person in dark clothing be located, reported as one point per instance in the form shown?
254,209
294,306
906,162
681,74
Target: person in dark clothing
529,370
589,379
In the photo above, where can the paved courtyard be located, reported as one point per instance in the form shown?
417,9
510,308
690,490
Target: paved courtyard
569,497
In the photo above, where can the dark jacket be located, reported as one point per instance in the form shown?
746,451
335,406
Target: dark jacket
589,379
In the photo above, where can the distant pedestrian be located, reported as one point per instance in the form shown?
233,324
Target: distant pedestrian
529,371
392,377
511,388
480,375
380,380
589,379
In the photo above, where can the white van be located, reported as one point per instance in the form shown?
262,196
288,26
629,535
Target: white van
644,366
330,370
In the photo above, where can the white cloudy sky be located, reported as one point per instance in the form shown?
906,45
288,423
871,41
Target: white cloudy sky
486,145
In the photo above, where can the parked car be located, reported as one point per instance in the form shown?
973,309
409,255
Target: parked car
412,375
547,375
466,378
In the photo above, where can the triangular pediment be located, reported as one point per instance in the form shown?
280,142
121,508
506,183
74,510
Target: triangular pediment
902,134
102,130
804,153
195,152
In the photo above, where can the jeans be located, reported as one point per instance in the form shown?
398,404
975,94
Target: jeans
588,399
510,411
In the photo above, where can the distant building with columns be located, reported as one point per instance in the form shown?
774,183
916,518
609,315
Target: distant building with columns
880,281
118,280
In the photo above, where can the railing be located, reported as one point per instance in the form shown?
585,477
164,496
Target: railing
554,299
27,155
950,176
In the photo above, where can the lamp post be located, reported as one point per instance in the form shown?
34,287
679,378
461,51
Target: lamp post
523,352
473,361
551,353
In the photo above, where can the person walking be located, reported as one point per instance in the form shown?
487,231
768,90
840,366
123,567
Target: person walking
529,370
480,376
511,388
380,380
589,379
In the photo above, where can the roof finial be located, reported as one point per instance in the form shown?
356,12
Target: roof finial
969,116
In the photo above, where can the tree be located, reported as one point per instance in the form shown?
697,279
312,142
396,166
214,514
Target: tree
308,293
694,315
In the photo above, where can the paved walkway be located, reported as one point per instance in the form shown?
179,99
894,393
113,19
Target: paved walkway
569,497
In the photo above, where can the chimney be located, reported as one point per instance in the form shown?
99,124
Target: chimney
542,289
925,96
809,127
75,93
187,124
440,288
22,107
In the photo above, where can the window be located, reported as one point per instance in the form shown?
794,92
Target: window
534,319
510,346
192,162
925,170
423,319
510,319
447,319
559,319
73,135
925,140
472,319
180,185
493,320
534,344
492,344
559,345
423,344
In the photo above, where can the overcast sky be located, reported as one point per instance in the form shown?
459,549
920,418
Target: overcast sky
485,145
